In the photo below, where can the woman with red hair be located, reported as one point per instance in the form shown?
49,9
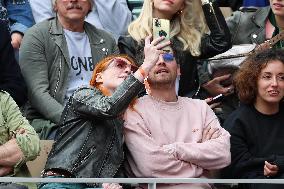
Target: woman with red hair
89,140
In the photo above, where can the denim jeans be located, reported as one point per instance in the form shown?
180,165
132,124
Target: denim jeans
62,185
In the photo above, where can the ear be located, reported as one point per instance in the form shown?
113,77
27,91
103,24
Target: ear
178,70
99,78
55,8
182,6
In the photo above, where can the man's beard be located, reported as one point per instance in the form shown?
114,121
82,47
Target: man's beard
163,82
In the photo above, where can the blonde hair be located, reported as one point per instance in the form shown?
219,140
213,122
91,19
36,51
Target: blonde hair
188,26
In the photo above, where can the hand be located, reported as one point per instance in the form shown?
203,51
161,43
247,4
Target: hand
5,170
210,133
111,186
152,51
16,40
170,148
270,169
214,105
215,88
10,153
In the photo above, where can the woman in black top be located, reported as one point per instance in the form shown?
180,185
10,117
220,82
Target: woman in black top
257,127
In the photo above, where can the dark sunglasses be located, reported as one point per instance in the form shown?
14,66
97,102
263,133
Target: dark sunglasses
168,57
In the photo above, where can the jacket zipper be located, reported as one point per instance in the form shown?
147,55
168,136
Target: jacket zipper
213,11
58,80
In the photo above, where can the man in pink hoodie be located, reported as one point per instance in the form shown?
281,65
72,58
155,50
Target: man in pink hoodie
170,136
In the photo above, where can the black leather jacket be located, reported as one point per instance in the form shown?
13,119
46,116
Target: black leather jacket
217,42
89,142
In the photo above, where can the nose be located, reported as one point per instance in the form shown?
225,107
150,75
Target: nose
274,81
160,60
128,69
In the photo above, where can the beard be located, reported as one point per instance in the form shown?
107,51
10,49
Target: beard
160,81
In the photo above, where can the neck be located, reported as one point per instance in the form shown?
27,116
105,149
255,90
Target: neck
74,26
164,93
266,108
280,22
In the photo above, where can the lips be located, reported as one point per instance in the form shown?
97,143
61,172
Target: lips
170,1
162,70
278,5
273,93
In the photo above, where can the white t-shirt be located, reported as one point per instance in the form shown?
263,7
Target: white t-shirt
81,62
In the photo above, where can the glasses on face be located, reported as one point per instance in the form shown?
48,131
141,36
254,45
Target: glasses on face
122,64
168,57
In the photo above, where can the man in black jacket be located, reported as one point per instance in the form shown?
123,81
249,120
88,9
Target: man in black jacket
11,79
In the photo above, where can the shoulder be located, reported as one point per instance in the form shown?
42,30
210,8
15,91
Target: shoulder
197,104
4,94
98,33
126,40
143,101
39,29
241,115
85,92
6,99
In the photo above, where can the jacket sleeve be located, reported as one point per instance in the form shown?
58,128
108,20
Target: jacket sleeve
211,154
20,15
149,159
233,22
11,79
29,141
34,67
118,23
219,39
91,102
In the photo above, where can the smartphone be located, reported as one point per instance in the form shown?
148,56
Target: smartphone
216,99
161,27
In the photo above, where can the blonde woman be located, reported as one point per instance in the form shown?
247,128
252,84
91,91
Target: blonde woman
191,22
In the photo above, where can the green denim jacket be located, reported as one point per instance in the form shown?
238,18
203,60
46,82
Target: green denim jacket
12,120
45,64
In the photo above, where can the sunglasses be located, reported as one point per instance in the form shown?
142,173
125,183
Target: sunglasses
168,57
122,64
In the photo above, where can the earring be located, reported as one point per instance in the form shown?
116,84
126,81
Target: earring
178,13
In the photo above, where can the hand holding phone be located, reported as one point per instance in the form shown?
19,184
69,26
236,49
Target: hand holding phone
161,27
216,99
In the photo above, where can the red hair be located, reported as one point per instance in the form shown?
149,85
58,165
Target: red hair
102,66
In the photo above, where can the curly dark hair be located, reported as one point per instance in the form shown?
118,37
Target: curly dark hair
246,78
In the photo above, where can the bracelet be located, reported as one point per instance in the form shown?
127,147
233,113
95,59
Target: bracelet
142,72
